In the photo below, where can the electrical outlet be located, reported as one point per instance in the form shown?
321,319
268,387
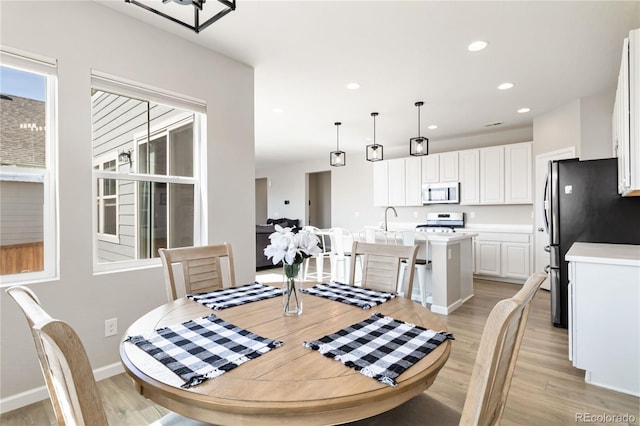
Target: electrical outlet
111,327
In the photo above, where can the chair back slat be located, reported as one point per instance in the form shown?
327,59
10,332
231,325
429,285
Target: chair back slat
196,269
497,356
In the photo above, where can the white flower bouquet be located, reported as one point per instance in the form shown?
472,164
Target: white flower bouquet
291,248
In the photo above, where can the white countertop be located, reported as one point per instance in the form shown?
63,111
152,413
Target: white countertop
612,254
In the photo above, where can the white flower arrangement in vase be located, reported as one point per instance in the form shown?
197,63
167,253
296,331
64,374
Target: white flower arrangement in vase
291,248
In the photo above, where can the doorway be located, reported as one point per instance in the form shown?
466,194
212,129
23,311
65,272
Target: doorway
318,211
261,201
541,237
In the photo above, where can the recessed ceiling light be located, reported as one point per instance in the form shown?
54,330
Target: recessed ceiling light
477,45
505,86
353,86
432,127
278,110
523,110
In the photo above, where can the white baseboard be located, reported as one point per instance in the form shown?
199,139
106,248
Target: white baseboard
446,310
30,396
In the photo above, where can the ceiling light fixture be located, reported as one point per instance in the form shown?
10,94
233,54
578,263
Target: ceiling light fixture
337,158
419,146
523,110
505,86
374,151
230,5
353,86
433,127
477,45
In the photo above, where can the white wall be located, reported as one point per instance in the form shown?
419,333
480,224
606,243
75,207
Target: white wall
84,36
352,188
596,126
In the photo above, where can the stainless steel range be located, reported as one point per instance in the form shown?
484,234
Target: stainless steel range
442,222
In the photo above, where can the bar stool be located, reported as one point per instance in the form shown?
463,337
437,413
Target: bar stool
319,275
423,266
340,238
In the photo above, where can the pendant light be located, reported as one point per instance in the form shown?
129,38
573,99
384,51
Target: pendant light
374,151
419,146
337,158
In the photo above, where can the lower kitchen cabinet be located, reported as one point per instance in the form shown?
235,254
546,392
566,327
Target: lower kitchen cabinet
488,259
604,314
504,255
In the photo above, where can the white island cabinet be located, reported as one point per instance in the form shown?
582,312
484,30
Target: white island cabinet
604,314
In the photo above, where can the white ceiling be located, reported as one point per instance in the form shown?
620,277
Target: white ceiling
400,52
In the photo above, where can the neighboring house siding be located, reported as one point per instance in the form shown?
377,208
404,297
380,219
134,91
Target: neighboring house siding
116,121
22,135
21,213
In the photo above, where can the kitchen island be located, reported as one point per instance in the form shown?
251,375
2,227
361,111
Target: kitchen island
451,256
451,269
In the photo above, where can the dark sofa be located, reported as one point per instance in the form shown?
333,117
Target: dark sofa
262,239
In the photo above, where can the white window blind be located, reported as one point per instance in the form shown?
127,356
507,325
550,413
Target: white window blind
27,61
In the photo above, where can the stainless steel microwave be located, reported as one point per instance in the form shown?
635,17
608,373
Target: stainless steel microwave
434,193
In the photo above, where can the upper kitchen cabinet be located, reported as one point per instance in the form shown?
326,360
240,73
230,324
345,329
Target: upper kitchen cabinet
626,118
518,174
496,175
413,177
397,182
441,167
470,176
492,175
381,183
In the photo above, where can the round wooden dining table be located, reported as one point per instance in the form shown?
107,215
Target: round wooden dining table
290,384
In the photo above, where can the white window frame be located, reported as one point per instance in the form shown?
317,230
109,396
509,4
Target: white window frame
158,131
100,198
197,109
36,64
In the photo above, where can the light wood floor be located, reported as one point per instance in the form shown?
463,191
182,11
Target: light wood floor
546,389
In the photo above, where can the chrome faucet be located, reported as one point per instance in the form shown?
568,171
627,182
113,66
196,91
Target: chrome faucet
386,228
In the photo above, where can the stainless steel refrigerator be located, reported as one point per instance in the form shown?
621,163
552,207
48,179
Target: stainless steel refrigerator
582,204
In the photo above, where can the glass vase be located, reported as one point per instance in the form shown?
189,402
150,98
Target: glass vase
292,296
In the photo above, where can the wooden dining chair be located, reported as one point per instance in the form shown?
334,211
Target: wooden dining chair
201,269
492,372
66,368
381,264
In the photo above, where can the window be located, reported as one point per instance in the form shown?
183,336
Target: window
107,202
147,148
28,221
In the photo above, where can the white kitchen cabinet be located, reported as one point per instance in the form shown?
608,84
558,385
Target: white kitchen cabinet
626,118
380,183
503,254
516,260
442,167
488,259
413,179
492,175
604,314
396,182
448,166
431,168
518,174
469,176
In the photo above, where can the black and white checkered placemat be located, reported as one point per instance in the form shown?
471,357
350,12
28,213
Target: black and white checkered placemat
379,347
203,348
351,295
235,296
